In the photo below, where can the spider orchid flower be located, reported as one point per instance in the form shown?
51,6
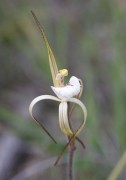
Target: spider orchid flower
64,94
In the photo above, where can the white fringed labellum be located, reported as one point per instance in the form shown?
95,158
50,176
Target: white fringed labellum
70,90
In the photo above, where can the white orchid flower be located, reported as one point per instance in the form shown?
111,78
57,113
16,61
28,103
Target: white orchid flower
65,94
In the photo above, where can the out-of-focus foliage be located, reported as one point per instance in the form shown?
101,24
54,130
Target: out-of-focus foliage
89,39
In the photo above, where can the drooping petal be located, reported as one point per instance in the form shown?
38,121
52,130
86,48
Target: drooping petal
78,102
33,103
63,119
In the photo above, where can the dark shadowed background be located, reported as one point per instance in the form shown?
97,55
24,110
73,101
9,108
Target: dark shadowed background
89,39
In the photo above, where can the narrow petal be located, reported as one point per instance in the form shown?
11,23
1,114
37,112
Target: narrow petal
33,103
63,119
43,97
77,101
52,61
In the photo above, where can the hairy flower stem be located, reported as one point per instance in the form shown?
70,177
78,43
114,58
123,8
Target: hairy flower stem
72,149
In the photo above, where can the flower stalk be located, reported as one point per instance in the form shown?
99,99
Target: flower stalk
72,149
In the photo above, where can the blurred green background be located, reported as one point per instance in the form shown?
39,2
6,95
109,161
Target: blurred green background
89,39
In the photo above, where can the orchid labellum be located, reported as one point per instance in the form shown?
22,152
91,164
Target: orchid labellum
65,94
